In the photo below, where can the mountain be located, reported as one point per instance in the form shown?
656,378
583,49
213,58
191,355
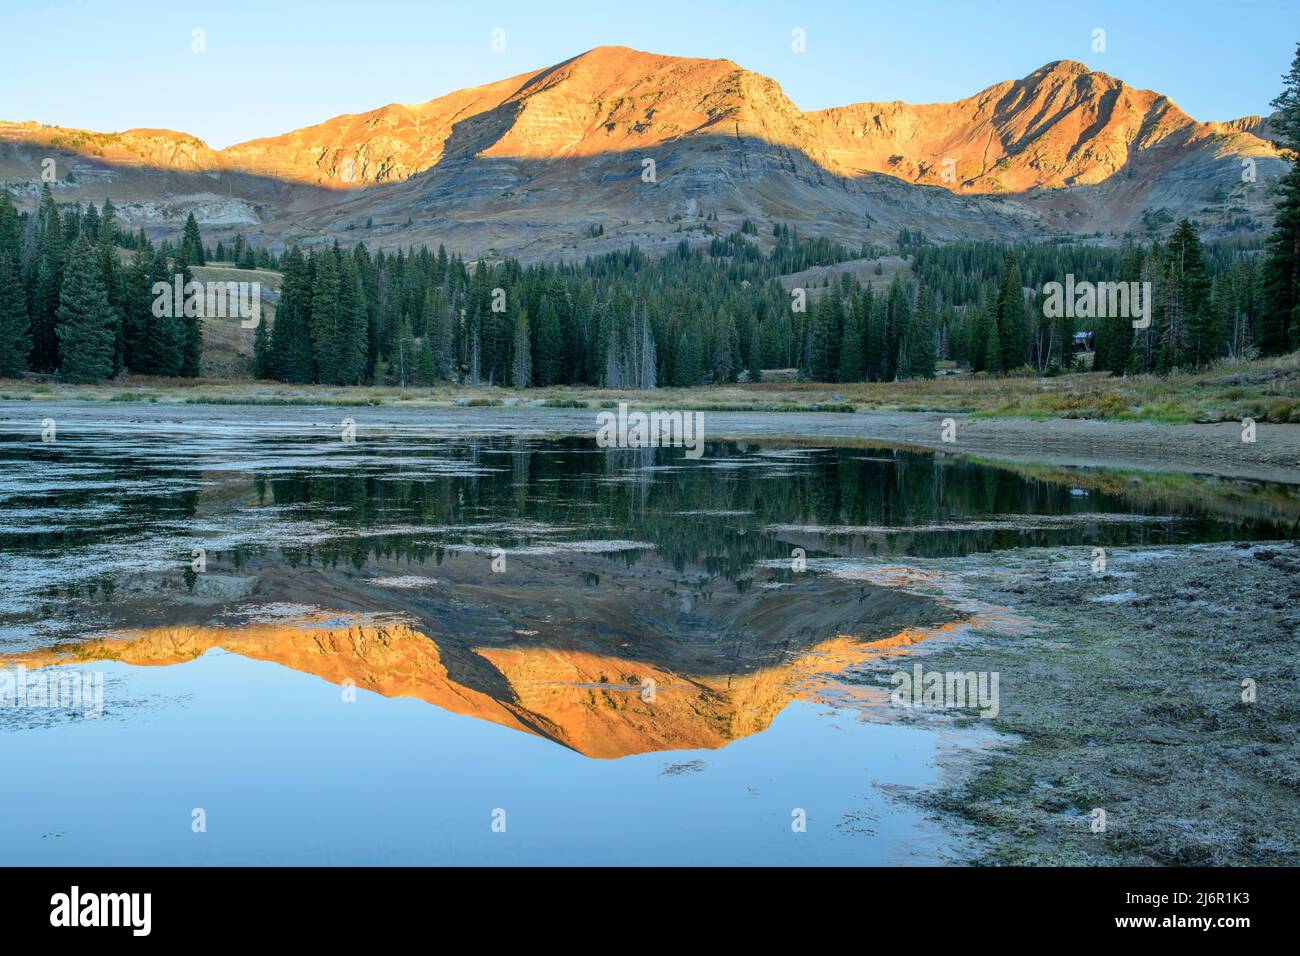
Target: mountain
529,165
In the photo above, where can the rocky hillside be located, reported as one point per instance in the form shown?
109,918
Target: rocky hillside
1063,125
557,163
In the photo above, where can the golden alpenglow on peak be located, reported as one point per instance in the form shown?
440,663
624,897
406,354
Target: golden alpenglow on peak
573,139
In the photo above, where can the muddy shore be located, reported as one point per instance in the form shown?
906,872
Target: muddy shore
1132,698
1211,449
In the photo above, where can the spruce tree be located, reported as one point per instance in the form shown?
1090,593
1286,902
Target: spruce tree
15,337
521,369
726,363
192,242
548,355
136,303
688,361
1196,334
1280,321
190,329
873,311
1115,336
350,345
826,317
291,357
262,349
325,321
437,325
50,253
986,345
1011,316
754,367
11,230
898,321
90,222
402,363
161,344
114,284
853,367
108,230
424,364
921,339
85,320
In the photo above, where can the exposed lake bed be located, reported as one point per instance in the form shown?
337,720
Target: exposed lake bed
619,640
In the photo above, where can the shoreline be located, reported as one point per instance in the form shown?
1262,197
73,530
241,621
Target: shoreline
1215,449
1129,698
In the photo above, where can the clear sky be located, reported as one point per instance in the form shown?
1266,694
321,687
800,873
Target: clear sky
274,65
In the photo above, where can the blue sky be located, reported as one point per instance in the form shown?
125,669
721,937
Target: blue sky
273,66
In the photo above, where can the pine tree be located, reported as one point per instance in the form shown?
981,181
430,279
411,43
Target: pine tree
11,230
49,279
474,359
726,365
15,338
114,284
853,366
1115,337
521,370
986,344
405,349
921,338
192,242
325,319
754,367
424,364
1196,335
90,222
160,347
85,321
688,359
291,357
190,328
262,361
1280,321
350,344
546,368
826,316
137,301
437,325
1011,316
108,230
873,311
898,322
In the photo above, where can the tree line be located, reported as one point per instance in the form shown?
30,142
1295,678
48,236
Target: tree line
70,305
76,293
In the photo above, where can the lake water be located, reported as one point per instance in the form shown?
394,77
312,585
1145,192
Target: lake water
462,639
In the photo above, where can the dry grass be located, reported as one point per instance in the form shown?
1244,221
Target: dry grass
1266,390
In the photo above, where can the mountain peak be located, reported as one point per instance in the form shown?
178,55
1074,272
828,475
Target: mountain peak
576,134
626,56
1061,73
1064,66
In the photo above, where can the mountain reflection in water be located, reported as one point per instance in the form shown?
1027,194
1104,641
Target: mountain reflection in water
614,601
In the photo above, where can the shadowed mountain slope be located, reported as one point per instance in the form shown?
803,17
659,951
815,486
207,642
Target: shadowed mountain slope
528,164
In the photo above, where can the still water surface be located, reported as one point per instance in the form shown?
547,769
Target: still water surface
370,652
